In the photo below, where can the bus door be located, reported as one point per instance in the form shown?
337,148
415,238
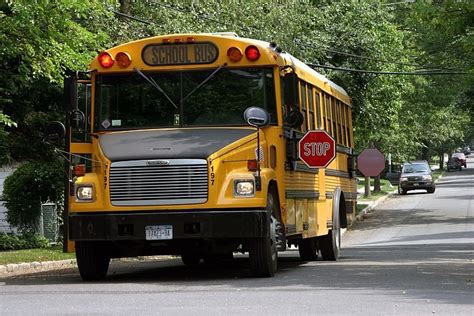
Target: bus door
78,140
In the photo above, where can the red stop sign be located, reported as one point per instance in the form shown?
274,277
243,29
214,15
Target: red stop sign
317,149
371,162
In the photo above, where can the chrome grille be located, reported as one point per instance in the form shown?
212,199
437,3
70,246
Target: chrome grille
158,182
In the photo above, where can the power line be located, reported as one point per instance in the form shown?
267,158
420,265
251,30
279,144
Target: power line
132,17
414,73
247,28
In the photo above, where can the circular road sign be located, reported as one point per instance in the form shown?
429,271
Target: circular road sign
371,162
317,149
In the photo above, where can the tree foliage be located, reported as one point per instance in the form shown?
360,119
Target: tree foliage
27,187
406,116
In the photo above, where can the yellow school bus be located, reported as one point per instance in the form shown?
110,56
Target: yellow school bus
187,144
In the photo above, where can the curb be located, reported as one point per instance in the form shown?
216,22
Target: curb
12,269
360,216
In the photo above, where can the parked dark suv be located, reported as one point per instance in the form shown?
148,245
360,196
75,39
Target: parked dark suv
415,176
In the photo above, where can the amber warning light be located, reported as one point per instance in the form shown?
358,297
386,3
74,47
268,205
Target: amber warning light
123,59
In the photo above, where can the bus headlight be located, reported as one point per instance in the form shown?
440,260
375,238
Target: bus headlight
84,193
244,188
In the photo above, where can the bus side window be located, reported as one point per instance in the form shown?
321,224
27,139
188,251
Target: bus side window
303,109
289,88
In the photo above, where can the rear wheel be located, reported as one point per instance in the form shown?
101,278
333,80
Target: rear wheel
263,252
92,260
308,249
330,245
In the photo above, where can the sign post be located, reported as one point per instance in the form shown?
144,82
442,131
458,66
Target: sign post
317,149
371,162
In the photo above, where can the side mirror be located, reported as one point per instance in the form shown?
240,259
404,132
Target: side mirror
295,119
54,133
77,119
256,117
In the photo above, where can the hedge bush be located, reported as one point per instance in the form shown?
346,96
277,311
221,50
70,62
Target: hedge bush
22,241
27,187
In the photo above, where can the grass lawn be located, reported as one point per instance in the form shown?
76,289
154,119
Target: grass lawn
31,255
385,188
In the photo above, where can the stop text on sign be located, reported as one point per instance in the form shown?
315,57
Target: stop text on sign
317,149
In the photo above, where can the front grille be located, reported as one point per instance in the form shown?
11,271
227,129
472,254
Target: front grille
415,178
158,182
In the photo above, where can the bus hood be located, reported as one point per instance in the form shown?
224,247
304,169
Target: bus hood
169,144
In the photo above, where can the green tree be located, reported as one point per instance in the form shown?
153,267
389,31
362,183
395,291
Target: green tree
41,40
27,187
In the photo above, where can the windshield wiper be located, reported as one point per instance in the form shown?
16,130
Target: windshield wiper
204,82
155,85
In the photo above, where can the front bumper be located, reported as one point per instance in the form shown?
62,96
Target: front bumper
210,224
415,185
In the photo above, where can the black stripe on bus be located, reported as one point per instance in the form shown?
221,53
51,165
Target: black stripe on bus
303,194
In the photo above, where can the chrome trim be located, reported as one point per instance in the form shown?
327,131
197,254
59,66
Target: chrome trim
136,183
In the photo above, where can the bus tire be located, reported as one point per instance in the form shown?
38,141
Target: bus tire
308,249
330,244
92,261
263,253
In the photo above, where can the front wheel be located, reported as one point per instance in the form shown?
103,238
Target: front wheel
263,252
401,191
92,261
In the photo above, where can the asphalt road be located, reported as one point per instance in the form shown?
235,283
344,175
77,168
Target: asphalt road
412,255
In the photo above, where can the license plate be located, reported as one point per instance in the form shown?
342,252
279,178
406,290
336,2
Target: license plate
159,232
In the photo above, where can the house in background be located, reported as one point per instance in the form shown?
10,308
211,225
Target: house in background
4,226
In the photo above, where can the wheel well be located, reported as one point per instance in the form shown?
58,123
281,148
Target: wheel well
273,187
342,211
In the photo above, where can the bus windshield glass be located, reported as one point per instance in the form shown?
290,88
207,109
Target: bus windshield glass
215,97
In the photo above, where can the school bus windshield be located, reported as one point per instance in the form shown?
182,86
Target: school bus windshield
177,99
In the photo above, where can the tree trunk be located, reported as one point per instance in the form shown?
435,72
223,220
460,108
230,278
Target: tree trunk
377,184
441,161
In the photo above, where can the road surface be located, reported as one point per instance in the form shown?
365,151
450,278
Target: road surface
412,255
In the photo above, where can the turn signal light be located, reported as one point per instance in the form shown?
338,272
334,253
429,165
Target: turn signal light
234,54
252,165
79,170
106,60
252,53
123,59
